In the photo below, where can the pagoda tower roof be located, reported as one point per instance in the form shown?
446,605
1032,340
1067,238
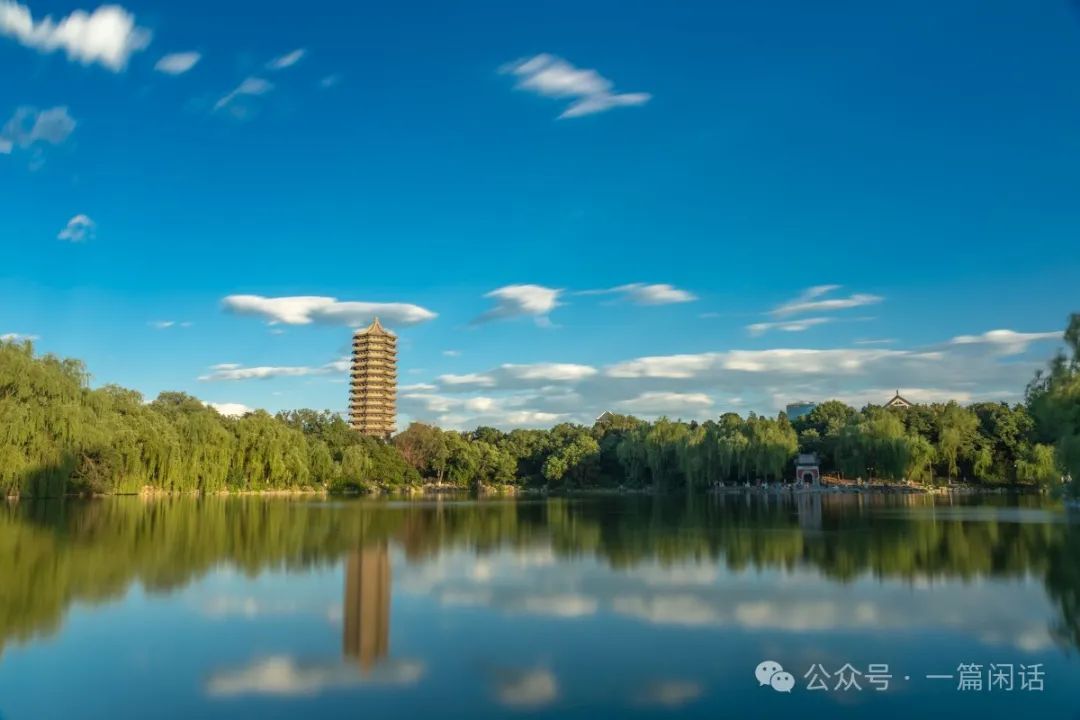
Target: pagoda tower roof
375,328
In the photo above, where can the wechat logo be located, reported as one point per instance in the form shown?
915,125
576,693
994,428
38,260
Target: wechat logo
772,674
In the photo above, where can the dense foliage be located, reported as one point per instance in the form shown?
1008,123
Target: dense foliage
1054,398
59,436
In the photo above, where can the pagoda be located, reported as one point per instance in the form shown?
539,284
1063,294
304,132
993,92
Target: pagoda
373,389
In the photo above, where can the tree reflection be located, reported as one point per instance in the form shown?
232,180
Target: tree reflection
55,553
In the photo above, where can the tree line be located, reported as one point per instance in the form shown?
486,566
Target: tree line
59,436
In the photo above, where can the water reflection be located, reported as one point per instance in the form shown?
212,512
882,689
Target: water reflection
366,630
615,605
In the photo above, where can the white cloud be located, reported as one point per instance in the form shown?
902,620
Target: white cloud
529,689
663,366
527,418
664,403
330,81
234,371
456,412
452,353
521,300
281,675
549,372
812,300
177,63
473,379
78,229
30,126
417,387
706,384
107,36
787,325
780,360
589,91
231,409
480,404
647,293
304,310
510,375
161,324
251,86
876,341
17,337
287,60
1006,342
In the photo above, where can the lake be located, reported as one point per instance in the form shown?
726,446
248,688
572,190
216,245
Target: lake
733,606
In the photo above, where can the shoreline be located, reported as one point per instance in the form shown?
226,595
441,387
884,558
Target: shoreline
429,491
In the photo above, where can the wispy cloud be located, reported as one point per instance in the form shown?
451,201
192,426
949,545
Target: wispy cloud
78,229
796,361
107,36
787,325
30,126
589,91
521,300
235,371
813,300
166,324
329,81
452,353
1006,342
417,387
511,375
249,87
287,60
647,293
307,309
177,63
17,337
664,403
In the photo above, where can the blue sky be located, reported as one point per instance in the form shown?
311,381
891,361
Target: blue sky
714,167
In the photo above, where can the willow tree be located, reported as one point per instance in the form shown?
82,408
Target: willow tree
1054,400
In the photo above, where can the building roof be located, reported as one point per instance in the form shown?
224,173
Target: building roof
375,328
899,400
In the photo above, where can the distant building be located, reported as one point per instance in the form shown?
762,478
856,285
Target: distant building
807,469
373,392
898,401
366,630
798,409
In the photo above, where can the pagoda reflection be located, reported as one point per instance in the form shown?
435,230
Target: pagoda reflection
366,634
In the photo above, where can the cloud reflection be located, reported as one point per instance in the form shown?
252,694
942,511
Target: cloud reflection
283,675
527,689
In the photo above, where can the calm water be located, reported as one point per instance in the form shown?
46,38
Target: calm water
596,608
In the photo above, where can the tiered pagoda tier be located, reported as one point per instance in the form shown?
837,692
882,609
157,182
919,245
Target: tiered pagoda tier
373,393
